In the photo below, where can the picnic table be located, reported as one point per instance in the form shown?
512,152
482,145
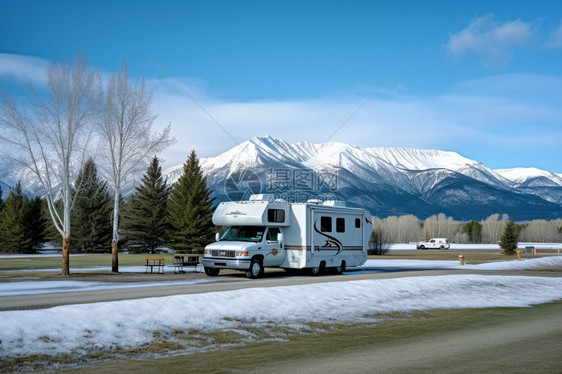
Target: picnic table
180,261
152,263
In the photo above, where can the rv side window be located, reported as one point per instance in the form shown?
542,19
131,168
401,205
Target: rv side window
357,223
275,215
340,224
326,224
272,234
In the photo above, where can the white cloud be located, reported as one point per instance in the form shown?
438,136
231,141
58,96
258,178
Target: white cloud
555,40
24,68
476,114
494,40
520,111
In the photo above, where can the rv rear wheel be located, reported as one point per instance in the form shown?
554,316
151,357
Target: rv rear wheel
340,269
256,269
212,272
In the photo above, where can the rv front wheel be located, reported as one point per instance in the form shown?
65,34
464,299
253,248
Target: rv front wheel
256,269
317,270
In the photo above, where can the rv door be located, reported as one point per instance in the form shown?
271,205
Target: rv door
274,247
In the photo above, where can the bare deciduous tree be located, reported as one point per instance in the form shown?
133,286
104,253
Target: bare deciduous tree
128,142
440,226
493,227
403,229
540,230
50,137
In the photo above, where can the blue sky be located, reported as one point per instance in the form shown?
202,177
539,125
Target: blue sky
477,77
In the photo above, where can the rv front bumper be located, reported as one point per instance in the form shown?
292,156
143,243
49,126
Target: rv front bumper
222,263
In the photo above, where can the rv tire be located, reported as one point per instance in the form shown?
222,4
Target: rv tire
317,270
212,272
255,270
340,269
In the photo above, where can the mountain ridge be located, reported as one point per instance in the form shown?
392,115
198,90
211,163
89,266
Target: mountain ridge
386,180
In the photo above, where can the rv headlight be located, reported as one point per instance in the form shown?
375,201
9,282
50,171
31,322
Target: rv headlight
242,254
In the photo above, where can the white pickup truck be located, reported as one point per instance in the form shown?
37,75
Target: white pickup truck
435,243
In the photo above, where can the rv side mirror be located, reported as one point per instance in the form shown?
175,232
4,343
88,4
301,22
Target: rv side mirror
280,237
217,237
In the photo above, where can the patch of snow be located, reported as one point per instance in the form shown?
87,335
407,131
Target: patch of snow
377,265
122,269
470,247
78,329
43,287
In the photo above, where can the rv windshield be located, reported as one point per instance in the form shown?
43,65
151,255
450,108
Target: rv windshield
244,234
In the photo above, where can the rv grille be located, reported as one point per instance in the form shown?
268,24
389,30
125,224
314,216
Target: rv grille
221,253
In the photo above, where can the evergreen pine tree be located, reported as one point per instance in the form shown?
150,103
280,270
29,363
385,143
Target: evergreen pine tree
508,241
144,219
190,209
1,204
474,231
91,215
36,222
14,228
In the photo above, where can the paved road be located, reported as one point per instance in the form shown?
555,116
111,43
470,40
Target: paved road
221,283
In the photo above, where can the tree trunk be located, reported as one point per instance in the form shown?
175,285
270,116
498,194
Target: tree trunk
65,255
114,253
114,257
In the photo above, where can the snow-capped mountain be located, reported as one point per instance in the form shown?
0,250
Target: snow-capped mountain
535,182
387,181
521,176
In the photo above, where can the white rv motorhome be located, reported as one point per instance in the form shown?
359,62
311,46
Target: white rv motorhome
264,233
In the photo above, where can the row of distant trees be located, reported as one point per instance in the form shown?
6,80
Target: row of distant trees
409,228
156,214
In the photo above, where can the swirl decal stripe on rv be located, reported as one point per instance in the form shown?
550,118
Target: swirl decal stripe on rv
331,240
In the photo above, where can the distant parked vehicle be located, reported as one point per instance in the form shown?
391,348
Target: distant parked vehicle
435,243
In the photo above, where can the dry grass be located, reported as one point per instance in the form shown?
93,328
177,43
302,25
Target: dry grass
77,261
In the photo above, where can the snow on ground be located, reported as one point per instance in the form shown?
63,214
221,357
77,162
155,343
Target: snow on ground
544,263
468,247
379,266
122,269
371,266
78,329
42,287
